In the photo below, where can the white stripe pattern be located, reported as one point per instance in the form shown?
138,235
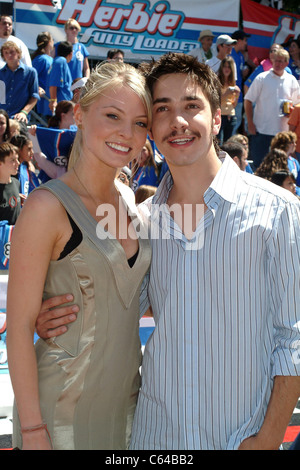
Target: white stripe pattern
227,317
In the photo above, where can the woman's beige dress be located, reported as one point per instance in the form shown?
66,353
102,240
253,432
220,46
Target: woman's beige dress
89,377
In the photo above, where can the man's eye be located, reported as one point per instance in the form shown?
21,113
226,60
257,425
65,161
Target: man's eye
161,109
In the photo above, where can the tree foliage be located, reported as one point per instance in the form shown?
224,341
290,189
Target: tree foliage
291,5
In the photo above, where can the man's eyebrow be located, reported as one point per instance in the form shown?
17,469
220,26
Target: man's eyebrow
184,98
161,100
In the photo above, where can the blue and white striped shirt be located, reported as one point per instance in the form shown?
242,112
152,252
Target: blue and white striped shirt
227,316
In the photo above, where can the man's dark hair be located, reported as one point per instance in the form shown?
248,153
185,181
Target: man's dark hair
234,149
279,176
112,52
64,48
183,63
6,149
199,73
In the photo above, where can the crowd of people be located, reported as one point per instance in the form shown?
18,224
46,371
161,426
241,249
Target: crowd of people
50,81
189,238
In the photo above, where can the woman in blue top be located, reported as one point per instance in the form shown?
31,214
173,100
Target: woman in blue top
42,61
144,168
79,65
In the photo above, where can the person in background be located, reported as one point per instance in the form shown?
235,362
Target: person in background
55,141
6,27
287,142
59,76
115,55
10,200
4,126
15,128
268,92
294,126
274,161
285,179
42,61
229,98
244,141
205,51
224,45
294,51
237,152
64,115
27,171
79,64
21,84
237,54
143,192
76,88
144,168
264,66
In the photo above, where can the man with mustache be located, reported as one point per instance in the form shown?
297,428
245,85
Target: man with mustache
221,369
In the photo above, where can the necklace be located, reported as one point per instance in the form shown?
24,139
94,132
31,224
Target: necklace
85,189
97,203
94,200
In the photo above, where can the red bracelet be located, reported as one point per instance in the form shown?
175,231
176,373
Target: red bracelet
38,427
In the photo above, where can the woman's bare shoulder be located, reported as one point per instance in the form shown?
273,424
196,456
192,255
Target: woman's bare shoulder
43,201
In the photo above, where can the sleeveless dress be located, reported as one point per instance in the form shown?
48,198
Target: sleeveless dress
89,377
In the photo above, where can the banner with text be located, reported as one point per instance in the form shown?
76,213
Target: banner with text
267,26
142,29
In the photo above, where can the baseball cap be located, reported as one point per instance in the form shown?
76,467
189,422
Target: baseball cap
204,33
225,39
240,34
78,84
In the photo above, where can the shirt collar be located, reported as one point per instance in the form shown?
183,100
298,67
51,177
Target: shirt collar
20,66
223,186
275,74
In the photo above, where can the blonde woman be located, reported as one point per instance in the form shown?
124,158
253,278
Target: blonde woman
76,234
229,98
79,65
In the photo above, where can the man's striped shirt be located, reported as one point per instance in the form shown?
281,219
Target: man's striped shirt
227,315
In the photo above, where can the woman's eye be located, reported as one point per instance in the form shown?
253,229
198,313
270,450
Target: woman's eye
142,124
112,116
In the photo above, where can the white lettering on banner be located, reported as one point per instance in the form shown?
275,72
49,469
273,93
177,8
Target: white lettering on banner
73,7
288,27
2,92
138,44
136,17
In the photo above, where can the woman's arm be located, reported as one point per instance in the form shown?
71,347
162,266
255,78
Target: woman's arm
86,68
33,245
52,170
53,98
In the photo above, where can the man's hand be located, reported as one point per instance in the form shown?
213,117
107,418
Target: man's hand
251,128
284,397
256,443
53,317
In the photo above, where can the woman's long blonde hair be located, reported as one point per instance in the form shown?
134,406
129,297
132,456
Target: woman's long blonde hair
104,76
